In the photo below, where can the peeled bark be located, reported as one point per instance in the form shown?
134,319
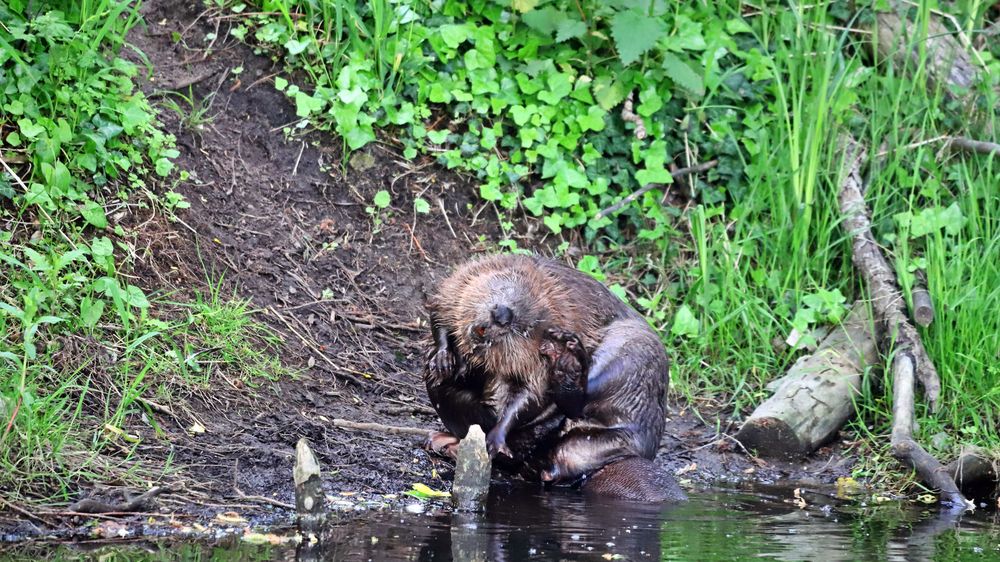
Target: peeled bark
308,487
472,472
814,399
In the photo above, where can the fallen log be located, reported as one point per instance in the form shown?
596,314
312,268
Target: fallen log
910,360
816,396
947,62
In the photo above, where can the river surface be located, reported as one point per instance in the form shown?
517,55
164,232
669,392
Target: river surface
524,524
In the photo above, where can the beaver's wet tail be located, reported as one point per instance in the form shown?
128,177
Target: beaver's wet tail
635,479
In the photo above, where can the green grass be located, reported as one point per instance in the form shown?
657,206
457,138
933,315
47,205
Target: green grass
83,349
526,96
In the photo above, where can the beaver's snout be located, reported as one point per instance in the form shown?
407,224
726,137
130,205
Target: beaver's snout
502,315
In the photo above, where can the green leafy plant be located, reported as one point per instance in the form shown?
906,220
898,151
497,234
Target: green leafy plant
532,92
376,210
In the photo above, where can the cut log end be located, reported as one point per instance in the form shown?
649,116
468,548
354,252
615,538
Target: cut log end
923,307
771,437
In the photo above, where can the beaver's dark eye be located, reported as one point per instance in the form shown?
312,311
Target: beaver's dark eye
480,330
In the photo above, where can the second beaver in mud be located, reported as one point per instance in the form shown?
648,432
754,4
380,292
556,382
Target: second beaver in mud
546,358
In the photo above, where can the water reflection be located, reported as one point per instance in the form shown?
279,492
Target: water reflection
523,524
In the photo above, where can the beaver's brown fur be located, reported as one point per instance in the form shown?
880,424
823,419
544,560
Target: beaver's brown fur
508,333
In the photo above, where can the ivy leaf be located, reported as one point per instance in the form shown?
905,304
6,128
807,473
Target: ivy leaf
683,75
453,35
685,324
593,120
738,25
560,85
135,297
570,29
554,222
635,34
29,129
91,311
608,92
295,46
306,104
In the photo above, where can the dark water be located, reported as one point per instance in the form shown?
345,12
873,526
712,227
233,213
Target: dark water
522,524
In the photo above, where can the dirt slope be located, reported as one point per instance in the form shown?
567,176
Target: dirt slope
284,224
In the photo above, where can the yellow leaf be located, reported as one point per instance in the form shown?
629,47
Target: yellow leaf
523,6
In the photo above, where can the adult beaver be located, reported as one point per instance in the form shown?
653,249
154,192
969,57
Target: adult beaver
568,381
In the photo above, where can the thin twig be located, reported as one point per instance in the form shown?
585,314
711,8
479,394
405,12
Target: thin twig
377,427
638,193
444,213
295,169
413,239
13,175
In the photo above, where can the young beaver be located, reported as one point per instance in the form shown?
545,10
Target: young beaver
531,349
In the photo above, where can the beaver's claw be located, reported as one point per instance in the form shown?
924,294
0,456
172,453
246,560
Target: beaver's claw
497,444
442,364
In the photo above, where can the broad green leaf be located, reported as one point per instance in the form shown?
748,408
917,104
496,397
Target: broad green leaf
91,311
102,247
545,20
683,75
570,29
738,25
135,297
94,214
421,205
306,104
30,129
635,34
554,222
296,47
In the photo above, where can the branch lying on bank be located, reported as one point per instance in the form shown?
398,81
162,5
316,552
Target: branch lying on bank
377,427
638,193
137,503
969,145
887,303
